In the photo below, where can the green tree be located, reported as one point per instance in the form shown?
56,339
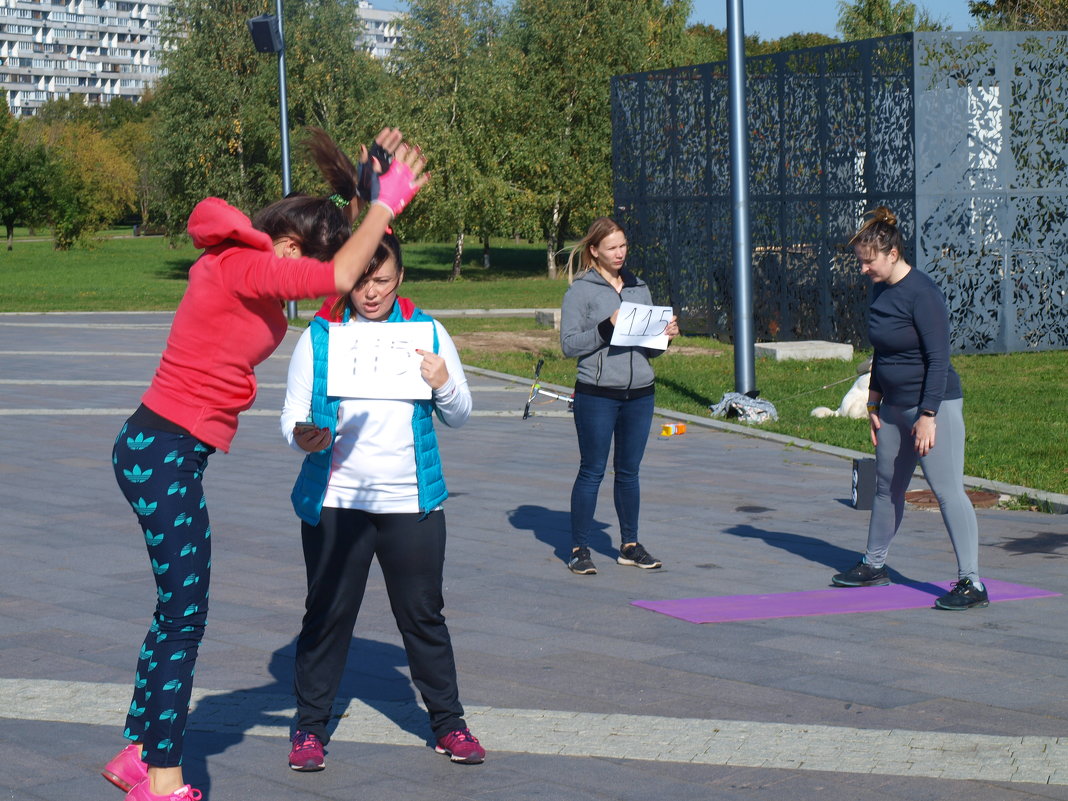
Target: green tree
562,55
135,141
203,139
1018,15
794,41
707,43
704,44
454,91
104,117
217,129
330,84
866,19
128,126
23,178
90,182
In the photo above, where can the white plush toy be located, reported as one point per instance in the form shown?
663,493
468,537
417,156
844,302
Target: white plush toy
855,402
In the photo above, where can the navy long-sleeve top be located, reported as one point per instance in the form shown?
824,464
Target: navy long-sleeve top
908,326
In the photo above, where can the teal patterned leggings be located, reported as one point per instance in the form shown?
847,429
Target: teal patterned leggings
161,474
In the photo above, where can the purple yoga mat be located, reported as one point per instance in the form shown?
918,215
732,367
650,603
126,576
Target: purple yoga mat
836,601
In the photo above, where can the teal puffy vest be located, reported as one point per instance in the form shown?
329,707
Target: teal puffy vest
310,487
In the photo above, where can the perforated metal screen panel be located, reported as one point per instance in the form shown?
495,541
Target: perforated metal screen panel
962,135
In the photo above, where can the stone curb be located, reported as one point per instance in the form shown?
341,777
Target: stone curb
1058,503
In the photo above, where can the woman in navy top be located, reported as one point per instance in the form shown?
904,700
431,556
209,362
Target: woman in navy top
915,408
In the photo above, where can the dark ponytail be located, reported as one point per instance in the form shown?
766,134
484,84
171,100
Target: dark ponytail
336,167
320,225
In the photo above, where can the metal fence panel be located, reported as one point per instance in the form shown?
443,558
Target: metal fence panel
962,135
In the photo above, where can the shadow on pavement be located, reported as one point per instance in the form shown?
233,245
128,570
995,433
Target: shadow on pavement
553,527
822,552
371,677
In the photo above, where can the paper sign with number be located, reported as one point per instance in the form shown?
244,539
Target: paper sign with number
378,360
642,326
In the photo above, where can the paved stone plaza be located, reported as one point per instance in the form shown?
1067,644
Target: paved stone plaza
576,693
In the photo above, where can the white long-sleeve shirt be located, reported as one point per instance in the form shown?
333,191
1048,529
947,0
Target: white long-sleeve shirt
373,460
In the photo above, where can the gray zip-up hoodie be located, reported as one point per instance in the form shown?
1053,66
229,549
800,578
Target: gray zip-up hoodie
586,330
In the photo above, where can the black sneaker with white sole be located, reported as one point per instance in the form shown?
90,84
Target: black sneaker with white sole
581,562
964,595
862,575
636,556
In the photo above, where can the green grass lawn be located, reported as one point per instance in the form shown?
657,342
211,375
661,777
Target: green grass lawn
1017,414
1008,440
139,273
146,273
514,280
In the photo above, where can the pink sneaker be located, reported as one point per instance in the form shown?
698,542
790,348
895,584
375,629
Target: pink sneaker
142,792
307,753
126,768
461,746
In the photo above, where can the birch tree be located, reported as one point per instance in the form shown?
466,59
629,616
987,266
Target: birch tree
563,54
453,91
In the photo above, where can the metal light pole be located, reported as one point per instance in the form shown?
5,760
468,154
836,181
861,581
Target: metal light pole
744,373
743,402
283,105
268,36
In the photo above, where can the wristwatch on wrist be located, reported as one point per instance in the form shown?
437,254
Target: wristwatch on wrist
927,413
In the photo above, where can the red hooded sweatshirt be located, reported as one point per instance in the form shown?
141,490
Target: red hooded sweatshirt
230,319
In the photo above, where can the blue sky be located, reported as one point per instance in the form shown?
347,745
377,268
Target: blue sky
772,19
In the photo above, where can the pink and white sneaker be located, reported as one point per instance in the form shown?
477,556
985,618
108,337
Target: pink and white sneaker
461,746
142,792
308,753
126,769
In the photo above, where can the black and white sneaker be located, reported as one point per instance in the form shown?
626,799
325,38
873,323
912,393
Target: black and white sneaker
636,556
581,563
862,575
964,595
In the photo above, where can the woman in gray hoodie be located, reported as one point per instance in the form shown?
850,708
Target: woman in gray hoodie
613,391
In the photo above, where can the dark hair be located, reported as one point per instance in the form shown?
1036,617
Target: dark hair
880,232
388,247
320,225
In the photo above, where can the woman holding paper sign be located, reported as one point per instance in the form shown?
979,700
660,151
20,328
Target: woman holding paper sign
613,390
230,319
371,485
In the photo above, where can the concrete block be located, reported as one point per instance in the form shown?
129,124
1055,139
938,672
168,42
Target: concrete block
548,317
805,350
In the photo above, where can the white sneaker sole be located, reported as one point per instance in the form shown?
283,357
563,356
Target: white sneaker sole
632,563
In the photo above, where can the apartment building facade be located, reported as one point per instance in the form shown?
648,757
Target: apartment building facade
381,30
94,49
99,50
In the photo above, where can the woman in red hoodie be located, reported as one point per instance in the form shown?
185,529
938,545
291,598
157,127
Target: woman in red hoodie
230,319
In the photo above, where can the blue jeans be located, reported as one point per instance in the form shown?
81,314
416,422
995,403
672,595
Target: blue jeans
599,421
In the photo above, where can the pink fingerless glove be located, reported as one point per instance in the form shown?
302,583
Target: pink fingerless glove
396,187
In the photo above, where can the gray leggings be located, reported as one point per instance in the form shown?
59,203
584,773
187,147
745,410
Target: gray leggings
943,467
